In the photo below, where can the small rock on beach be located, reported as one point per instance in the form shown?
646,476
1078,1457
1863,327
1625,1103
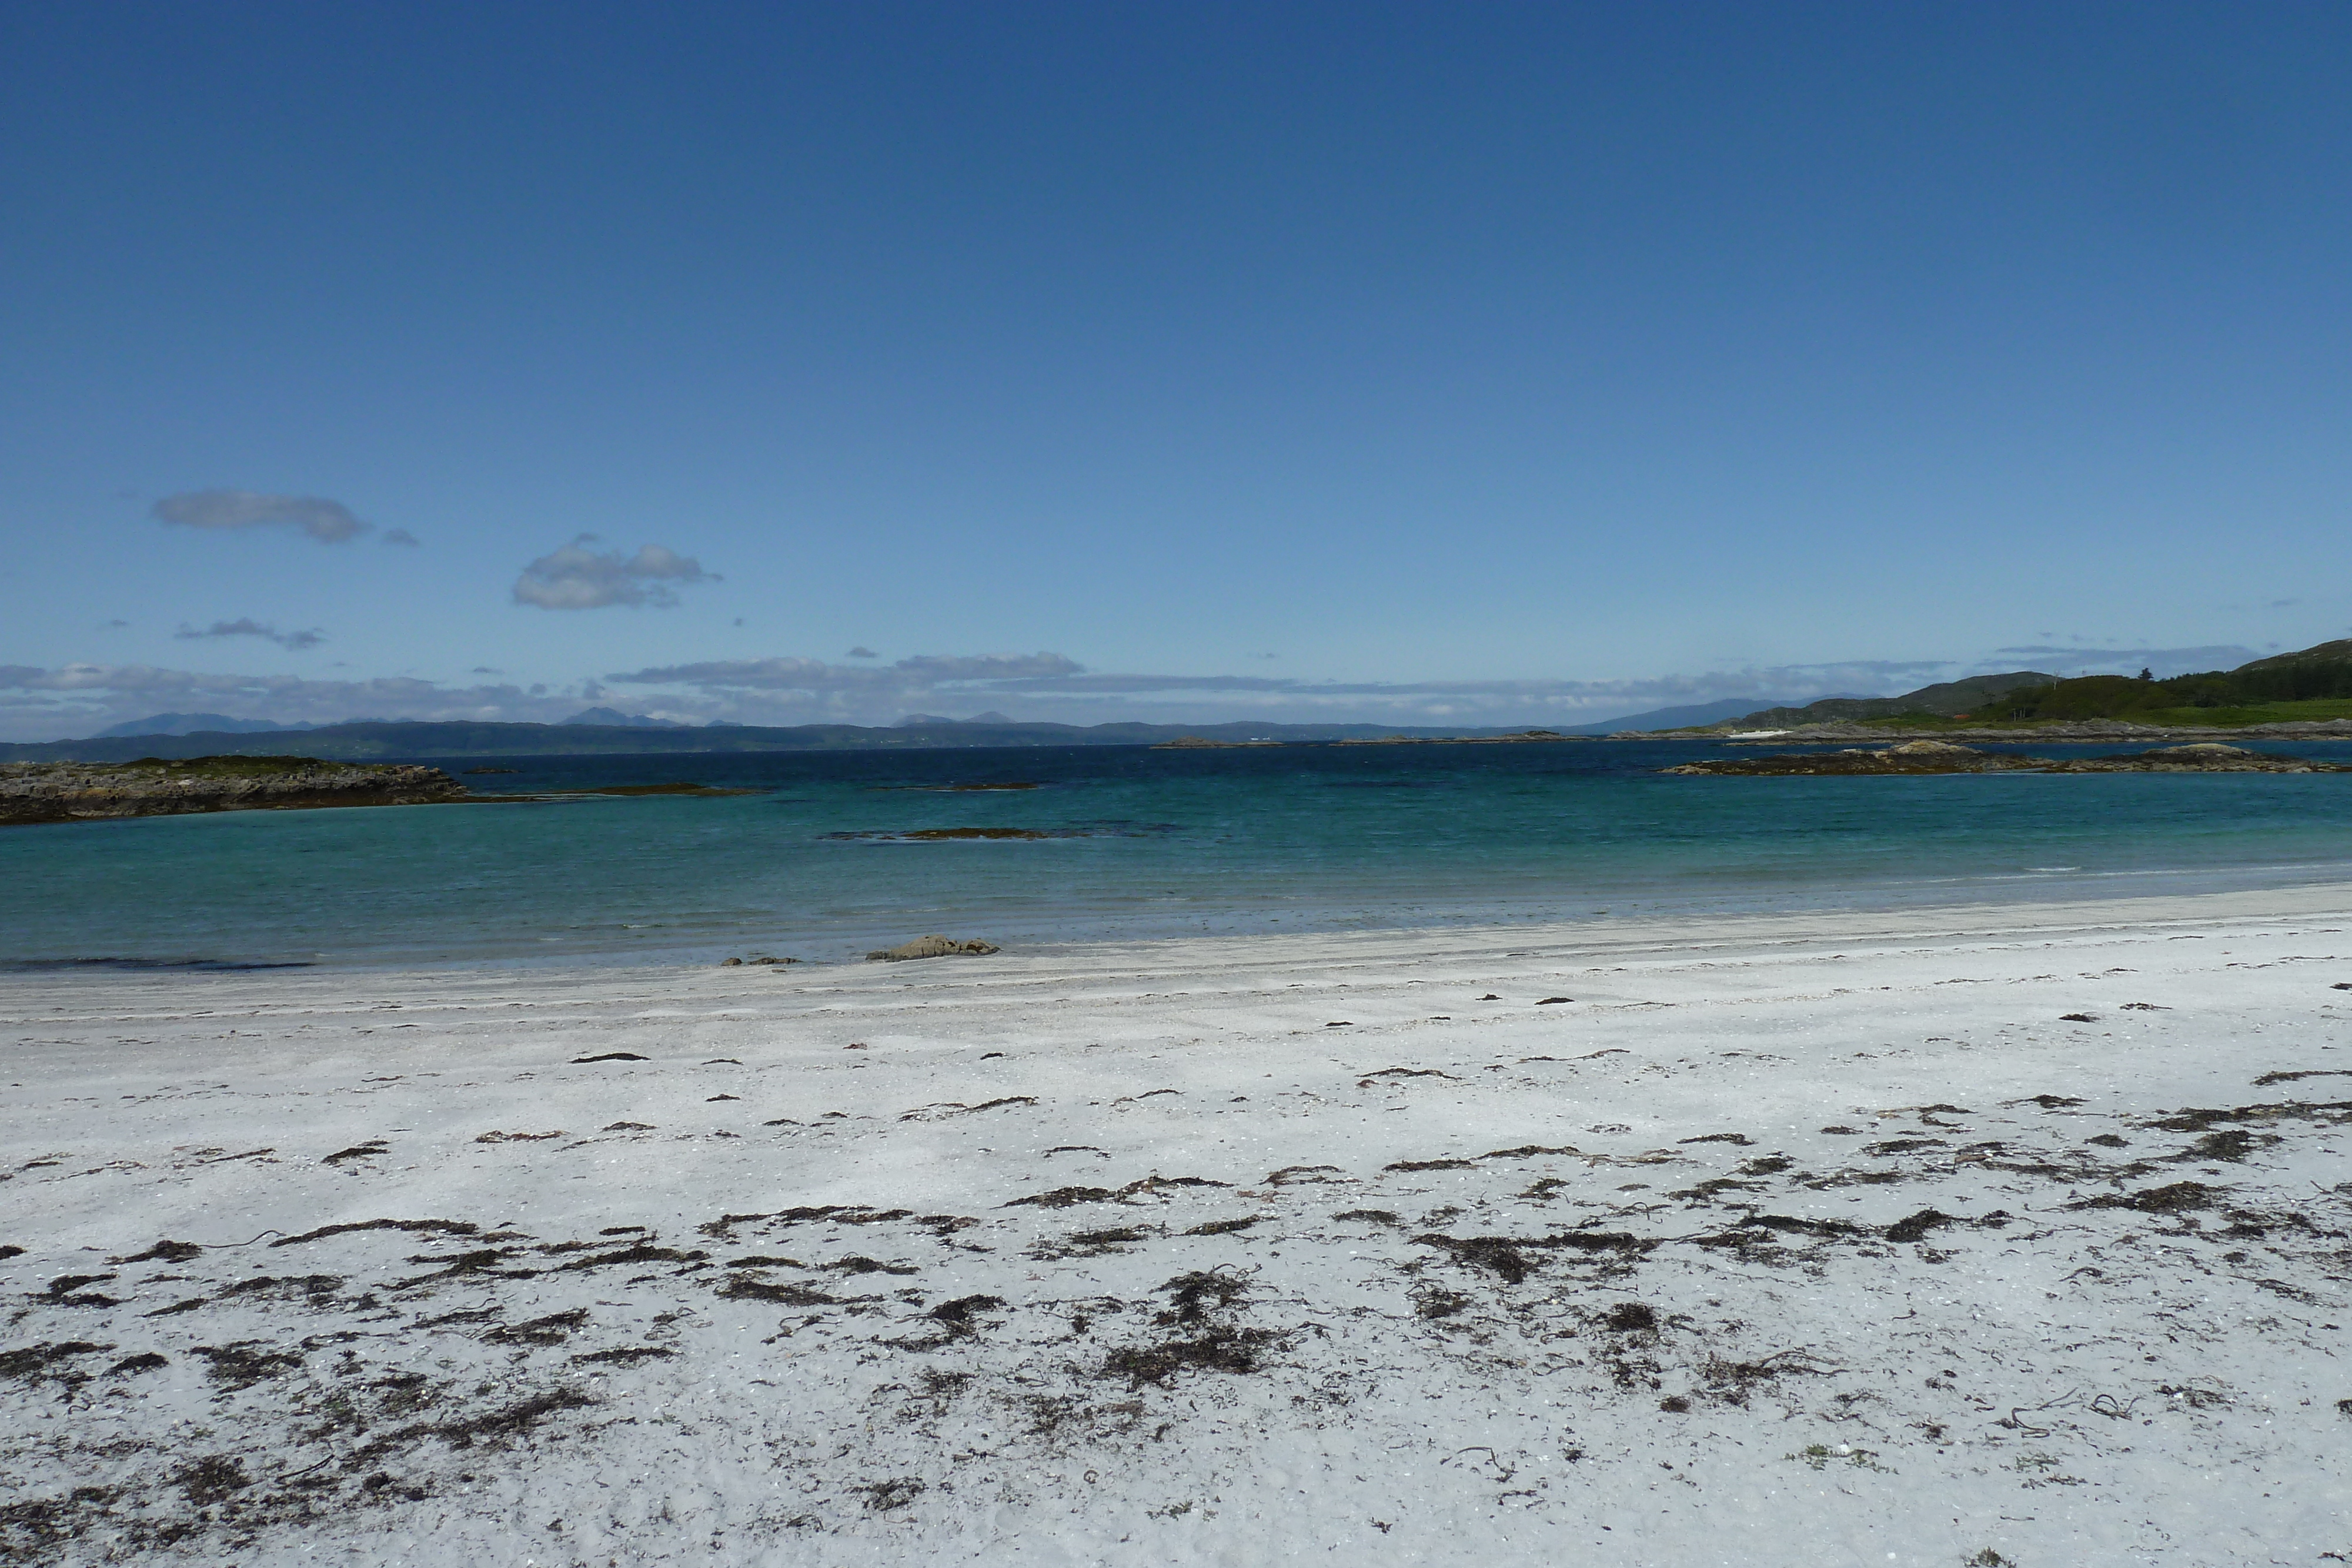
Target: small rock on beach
931,947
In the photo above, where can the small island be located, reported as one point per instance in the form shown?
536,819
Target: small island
1917,757
36,792
1519,737
1206,743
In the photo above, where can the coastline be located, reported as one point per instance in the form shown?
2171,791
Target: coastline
1915,1333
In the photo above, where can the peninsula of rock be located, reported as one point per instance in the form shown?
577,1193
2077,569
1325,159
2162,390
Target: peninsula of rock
1913,757
33,792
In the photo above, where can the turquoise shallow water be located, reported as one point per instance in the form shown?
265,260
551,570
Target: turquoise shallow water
1145,843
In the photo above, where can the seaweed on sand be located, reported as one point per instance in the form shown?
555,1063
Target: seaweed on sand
162,1252
511,1421
442,1227
743,1288
1503,1255
68,1291
1219,1348
2177,1198
213,1478
553,1329
1065,1197
958,1314
1195,1300
1733,1381
239,1366
1915,1228
46,1360
1630,1317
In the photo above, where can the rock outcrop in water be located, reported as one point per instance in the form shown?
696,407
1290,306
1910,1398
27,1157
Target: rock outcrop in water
2203,757
1941,757
1515,739
1204,743
33,792
931,947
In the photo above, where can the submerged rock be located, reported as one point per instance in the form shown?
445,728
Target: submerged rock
1911,756
1201,742
2205,757
931,947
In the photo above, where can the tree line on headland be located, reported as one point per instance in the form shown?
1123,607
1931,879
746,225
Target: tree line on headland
2312,674
2309,684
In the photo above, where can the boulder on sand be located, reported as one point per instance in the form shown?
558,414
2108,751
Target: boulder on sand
931,947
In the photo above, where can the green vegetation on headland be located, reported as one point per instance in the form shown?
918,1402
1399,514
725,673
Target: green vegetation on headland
2312,685
1931,703
2287,685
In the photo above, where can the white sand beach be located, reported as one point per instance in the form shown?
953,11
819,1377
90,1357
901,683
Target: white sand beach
1991,1235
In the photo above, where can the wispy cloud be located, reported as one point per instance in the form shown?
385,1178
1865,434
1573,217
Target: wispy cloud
2084,659
401,536
813,689
329,522
251,627
575,578
1054,685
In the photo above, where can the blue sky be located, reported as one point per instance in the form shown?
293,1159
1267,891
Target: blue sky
1412,363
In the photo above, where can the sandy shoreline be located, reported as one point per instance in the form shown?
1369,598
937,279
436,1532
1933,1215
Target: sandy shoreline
1215,1250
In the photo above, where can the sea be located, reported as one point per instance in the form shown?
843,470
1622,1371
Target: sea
828,855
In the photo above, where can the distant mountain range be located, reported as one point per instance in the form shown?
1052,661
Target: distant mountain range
2319,675
378,740
605,730
197,723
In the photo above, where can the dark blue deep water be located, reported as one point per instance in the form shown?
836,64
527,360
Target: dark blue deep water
1140,844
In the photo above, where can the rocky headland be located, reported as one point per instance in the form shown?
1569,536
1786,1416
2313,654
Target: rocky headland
2041,733
33,792
1913,756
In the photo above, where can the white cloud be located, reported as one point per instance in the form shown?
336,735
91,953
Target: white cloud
248,627
575,578
794,690
787,690
925,671
329,522
2092,661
